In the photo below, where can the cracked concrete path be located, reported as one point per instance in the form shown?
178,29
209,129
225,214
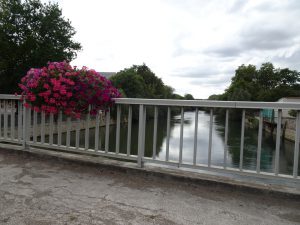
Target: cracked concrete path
37,191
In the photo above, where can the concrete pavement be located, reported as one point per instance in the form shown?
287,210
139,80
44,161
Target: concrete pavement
41,191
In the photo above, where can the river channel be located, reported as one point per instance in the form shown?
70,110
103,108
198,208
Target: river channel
234,137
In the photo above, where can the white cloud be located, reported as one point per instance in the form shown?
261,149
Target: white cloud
192,45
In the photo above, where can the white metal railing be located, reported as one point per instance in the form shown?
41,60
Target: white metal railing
19,125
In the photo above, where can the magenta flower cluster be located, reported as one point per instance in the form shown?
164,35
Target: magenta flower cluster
59,86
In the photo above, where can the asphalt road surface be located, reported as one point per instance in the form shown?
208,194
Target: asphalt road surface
37,191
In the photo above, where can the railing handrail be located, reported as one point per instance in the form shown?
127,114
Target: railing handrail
9,97
194,103
210,103
27,123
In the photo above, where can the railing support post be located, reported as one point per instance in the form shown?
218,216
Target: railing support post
141,147
25,127
296,150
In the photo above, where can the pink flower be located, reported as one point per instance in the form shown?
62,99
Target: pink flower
43,107
46,86
77,115
63,91
32,98
37,109
51,67
59,86
52,101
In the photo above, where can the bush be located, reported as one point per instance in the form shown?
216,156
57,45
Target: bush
59,86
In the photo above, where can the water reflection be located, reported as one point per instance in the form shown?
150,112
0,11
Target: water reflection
234,133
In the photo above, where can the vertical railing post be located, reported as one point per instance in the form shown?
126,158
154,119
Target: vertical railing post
34,127
296,150
260,128
77,133
129,122
226,139
59,128
5,118
51,129
168,133
155,132
12,120
181,136
87,129
278,139
144,133
25,126
242,140
141,137
43,122
97,131
29,125
20,114
195,137
118,129
107,125
68,138
210,137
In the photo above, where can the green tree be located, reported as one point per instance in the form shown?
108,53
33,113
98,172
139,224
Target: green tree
139,81
129,82
215,97
264,84
243,84
31,34
188,97
266,76
277,83
288,77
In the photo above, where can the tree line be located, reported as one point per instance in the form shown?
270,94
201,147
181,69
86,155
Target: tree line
264,84
139,81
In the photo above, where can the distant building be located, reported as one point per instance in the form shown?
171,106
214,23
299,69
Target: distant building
271,114
107,74
288,122
285,112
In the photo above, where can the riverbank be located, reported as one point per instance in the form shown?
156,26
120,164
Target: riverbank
75,124
288,128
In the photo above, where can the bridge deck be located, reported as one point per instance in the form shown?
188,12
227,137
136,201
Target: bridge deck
37,190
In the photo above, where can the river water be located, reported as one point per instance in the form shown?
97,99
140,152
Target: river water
234,137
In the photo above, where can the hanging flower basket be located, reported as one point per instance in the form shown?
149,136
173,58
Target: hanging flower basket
61,87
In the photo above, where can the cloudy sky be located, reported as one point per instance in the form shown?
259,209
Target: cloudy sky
193,45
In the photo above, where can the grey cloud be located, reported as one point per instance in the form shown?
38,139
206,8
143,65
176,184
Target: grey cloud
201,72
216,81
267,38
233,50
237,6
292,61
267,26
288,5
256,38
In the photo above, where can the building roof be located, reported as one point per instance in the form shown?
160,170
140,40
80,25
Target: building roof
289,99
107,74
